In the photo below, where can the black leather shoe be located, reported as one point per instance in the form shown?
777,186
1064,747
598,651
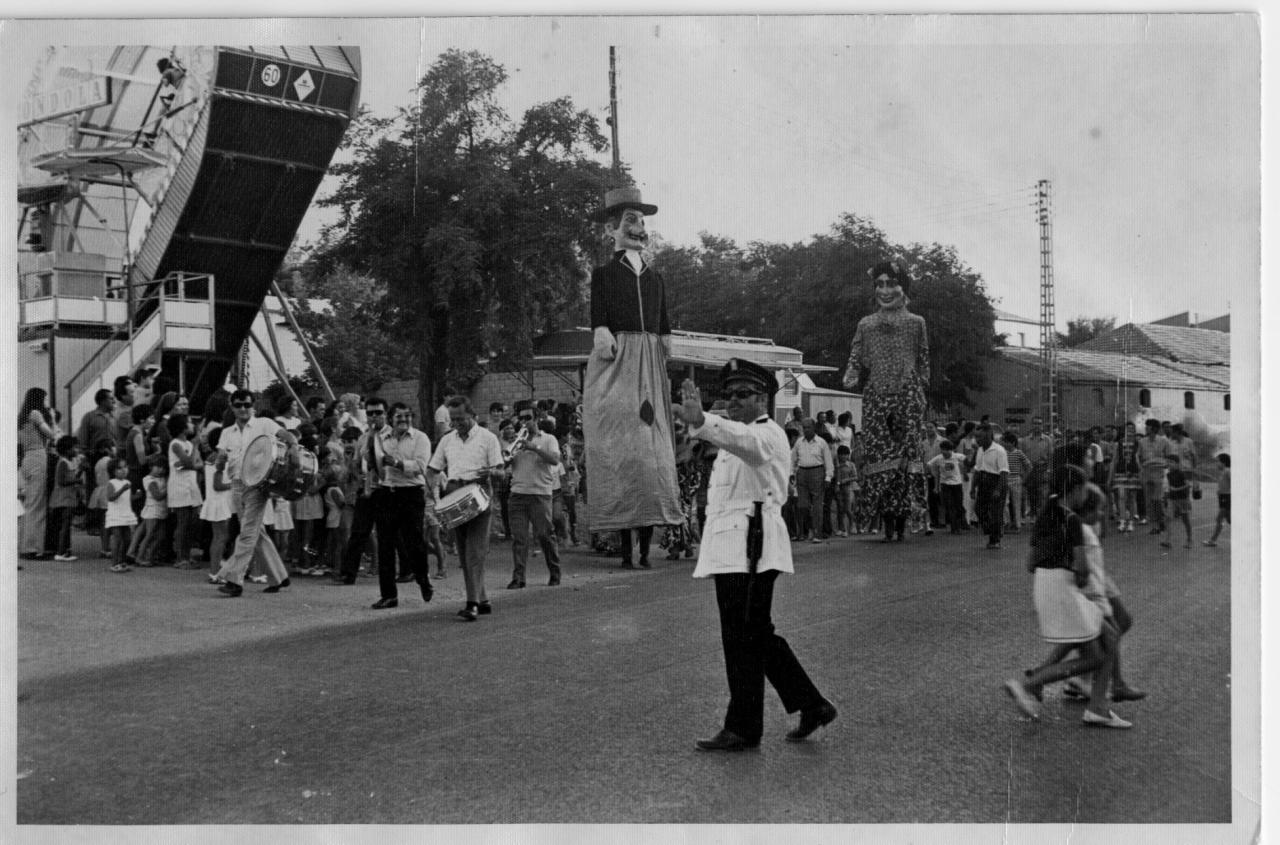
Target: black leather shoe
231,590
627,564
404,579
727,741
644,563
554,582
515,585
427,590
470,613
811,720
484,608
383,604
275,588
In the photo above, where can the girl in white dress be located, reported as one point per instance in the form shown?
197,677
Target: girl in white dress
120,518
216,509
184,487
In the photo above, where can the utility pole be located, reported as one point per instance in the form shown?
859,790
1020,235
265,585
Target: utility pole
1048,319
613,108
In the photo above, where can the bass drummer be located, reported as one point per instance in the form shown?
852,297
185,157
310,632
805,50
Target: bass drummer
468,454
248,502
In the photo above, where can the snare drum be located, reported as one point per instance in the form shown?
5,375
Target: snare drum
462,506
278,468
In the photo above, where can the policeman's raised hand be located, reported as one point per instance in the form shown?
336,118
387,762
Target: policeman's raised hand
690,407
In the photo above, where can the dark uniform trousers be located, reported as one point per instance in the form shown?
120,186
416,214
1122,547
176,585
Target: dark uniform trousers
753,652
398,518
361,527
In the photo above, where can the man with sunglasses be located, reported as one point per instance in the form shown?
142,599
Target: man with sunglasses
248,502
532,484
752,469
369,498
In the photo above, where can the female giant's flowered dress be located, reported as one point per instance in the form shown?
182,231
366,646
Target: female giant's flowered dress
892,346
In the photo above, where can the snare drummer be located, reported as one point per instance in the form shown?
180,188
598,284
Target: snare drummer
248,502
467,455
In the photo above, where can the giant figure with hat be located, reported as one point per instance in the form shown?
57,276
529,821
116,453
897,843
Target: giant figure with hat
892,347
630,457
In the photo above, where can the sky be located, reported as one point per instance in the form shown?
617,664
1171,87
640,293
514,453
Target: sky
937,128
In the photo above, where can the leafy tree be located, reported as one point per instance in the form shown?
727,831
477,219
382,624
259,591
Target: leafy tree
1083,329
811,295
480,228
346,334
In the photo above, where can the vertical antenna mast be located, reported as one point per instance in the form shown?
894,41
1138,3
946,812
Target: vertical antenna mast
613,108
1048,318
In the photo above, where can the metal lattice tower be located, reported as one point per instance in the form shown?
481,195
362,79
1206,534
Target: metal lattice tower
1048,319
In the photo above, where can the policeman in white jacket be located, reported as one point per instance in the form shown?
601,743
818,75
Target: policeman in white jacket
753,467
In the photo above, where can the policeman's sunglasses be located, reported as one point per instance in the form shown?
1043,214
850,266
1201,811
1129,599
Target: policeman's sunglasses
740,393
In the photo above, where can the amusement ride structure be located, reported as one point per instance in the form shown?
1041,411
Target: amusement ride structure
159,189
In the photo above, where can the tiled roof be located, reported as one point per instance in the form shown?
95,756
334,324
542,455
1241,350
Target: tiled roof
1014,318
1177,343
1083,366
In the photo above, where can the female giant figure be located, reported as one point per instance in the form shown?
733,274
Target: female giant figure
892,347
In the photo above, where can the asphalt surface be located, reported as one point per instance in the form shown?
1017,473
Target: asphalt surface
147,699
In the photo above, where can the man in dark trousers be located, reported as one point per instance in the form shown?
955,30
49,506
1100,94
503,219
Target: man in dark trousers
370,497
745,545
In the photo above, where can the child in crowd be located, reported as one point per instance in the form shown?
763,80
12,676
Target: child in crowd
155,511
1179,495
431,527
1102,591
98,499
569,491
1019,466
948,471
334,477
846,479
281,533
216,509
65,494
120,518
308,511
184,499
1224,499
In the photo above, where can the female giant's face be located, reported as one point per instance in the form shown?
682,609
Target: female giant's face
889,294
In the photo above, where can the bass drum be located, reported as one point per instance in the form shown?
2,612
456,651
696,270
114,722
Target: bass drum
278,468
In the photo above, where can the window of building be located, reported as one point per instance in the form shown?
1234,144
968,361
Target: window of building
1144,398
1099,398
1226,401
1189,400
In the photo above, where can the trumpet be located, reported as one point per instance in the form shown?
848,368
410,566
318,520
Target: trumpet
517,445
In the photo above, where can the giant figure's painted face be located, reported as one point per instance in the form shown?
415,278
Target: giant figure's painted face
630,233
889,294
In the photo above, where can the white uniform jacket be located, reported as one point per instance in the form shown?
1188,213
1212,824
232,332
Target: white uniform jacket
754,465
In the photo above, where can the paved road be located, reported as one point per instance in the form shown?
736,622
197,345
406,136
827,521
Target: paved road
144,699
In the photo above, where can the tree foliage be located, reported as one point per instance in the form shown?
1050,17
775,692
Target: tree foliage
479,227
346,334
1083,329
811,295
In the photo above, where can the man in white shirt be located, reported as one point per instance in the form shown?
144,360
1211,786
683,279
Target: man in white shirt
468,454
248,502
750,472
399,459
812,467
990,483
533,482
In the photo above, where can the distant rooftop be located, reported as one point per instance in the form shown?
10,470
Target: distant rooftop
1177,343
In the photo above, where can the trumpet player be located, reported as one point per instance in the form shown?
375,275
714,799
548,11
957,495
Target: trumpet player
533,454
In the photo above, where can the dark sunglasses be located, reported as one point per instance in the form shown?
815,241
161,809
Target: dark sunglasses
740,393
375,411
525,417
242,404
